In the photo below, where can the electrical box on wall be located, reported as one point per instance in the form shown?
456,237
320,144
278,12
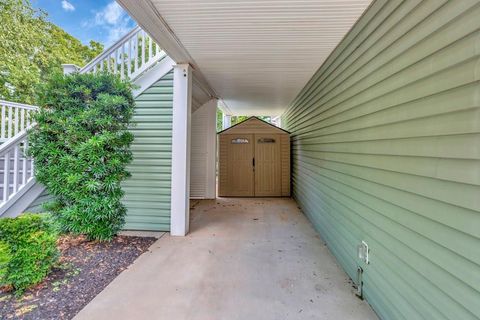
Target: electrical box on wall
363,252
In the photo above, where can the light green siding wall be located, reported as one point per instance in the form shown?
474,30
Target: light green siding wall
37,204
386,149
147,191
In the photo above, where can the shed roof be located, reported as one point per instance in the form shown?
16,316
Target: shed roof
254,125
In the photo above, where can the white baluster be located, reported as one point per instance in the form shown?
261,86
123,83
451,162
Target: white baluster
143,48
135,52
24,163
15,167
3,122
115,59
32,168
10,116
6,176
129,58
29,119
15,127
150,49
122,59
22,119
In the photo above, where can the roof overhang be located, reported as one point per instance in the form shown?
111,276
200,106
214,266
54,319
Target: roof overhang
254,55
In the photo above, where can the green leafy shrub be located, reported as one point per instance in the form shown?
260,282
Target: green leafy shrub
28,250
81,147
5,257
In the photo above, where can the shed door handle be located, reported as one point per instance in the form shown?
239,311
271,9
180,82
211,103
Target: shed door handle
253,162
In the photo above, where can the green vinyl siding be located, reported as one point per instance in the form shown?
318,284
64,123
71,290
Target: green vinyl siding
147,191
386,149
37,204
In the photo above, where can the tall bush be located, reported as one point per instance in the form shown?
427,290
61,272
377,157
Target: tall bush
81,146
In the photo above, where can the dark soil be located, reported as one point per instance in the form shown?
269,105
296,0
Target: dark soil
85,269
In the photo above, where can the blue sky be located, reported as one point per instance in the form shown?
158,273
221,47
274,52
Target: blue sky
100,20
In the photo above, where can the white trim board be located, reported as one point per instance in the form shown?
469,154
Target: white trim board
152,75
17,204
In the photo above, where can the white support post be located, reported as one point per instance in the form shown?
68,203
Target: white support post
211,187
180,189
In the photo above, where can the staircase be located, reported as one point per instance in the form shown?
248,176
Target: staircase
17,180
135,57
130,57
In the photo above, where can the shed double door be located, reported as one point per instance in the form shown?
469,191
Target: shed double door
254,165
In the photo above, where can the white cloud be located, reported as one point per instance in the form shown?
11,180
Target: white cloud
112,14
116,33
113,20
67,6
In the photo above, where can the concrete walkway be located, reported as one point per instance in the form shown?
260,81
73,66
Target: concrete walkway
244,259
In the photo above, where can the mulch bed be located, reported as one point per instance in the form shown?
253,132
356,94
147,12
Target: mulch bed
85,269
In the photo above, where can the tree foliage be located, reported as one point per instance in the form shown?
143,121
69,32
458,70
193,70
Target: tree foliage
81,149
32,48
236,119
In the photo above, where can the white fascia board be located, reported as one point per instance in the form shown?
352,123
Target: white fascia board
152,75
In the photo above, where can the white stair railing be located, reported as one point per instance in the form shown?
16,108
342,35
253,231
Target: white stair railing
16,168
129,57
15,117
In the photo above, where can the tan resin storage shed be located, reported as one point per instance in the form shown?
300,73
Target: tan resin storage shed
254,160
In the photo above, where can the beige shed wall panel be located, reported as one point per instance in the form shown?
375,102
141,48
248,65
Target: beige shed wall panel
385,149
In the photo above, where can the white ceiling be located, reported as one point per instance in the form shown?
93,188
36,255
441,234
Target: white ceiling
257,54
